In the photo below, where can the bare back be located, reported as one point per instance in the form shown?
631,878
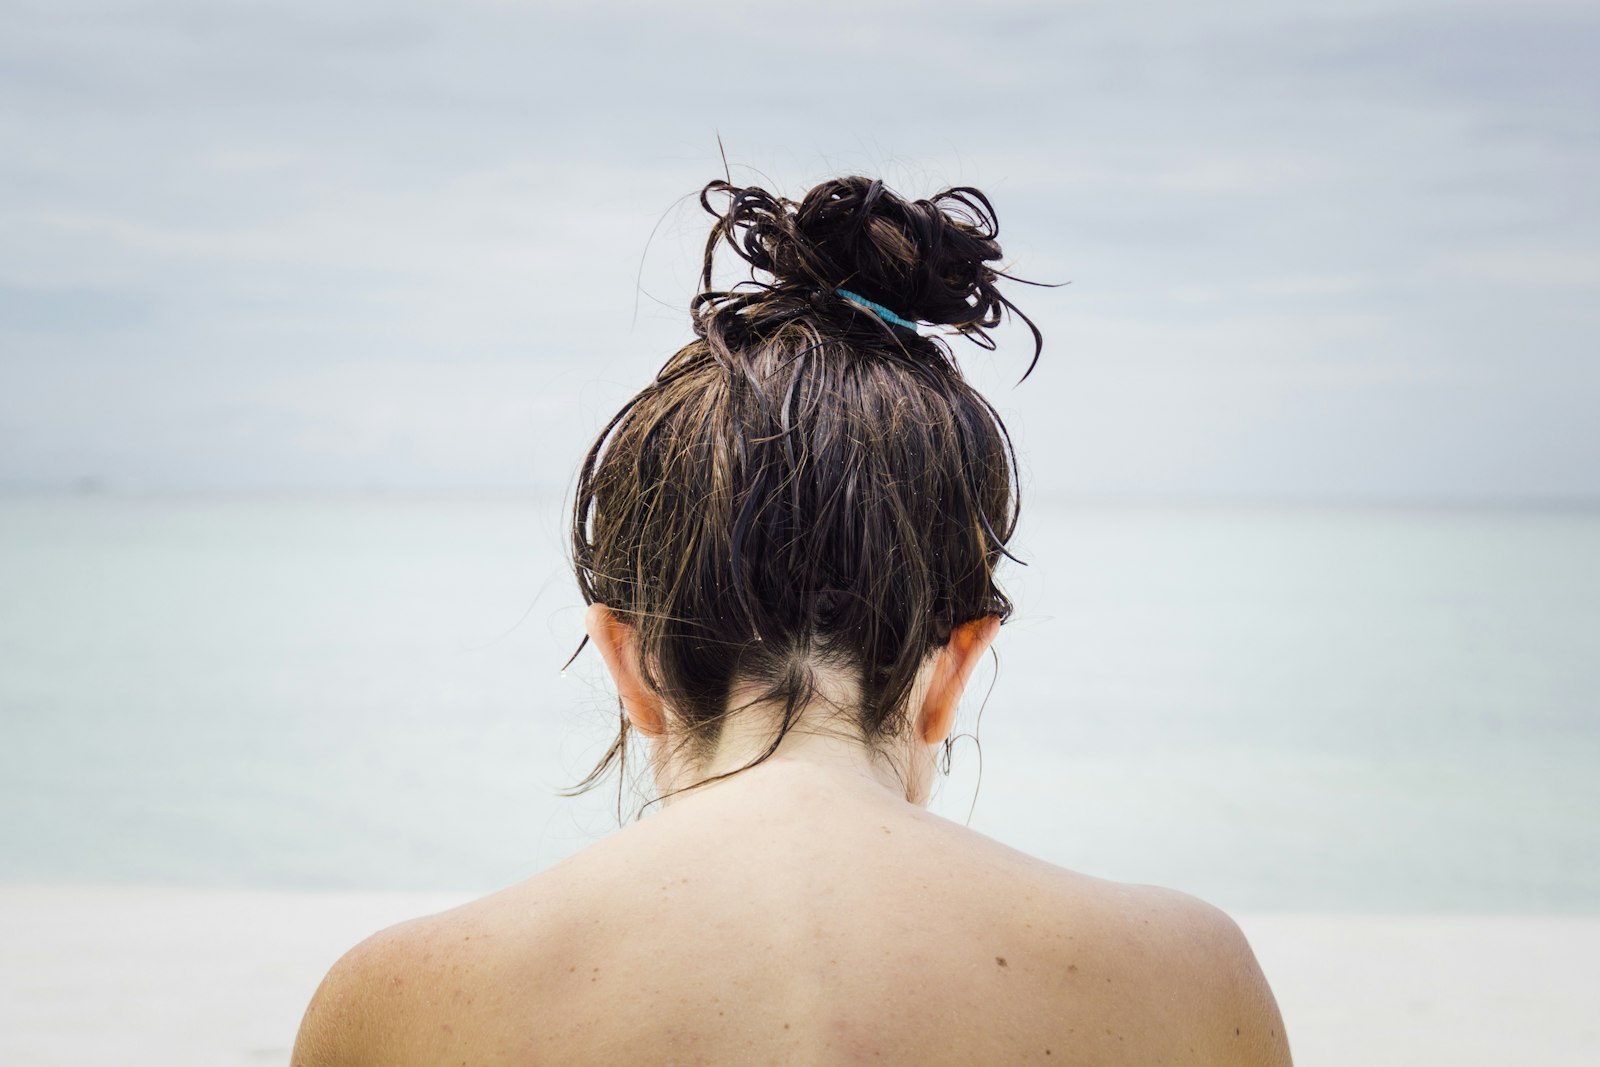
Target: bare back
780,918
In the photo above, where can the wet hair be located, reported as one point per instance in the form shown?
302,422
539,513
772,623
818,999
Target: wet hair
807,486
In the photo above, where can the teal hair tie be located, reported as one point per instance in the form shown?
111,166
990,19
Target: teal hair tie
879,310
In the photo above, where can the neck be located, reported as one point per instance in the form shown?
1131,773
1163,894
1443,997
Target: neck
817,744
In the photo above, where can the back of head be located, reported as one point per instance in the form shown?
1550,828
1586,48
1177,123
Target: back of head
810,487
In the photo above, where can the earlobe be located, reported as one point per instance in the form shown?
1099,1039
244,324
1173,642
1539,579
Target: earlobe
953,668
615,641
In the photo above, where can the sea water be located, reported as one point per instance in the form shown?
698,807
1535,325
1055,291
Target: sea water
1295,708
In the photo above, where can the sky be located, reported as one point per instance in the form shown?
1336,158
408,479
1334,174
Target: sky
1314,252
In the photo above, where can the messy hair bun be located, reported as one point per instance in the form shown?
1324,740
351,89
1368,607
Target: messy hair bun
810,488
928,261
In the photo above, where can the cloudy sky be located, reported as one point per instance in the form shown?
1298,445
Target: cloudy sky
1316,251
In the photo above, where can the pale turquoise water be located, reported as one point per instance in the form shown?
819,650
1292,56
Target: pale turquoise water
1313,709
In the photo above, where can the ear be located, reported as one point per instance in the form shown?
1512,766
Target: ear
953,667
616,641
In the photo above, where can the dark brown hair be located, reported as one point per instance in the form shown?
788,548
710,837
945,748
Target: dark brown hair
805,484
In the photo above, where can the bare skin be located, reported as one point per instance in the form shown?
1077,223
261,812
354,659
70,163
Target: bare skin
808,910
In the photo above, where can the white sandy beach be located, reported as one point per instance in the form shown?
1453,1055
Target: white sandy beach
186,977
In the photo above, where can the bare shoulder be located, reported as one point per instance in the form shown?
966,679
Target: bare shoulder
431,986
1205,965
354,1013
346,1021
369,1005
1156,969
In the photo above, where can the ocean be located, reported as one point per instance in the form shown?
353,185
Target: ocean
1312,709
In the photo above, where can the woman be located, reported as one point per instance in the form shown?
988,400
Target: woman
788,543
